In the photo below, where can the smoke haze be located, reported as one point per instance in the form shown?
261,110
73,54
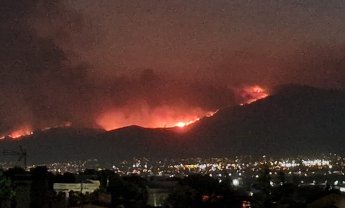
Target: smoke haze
110,64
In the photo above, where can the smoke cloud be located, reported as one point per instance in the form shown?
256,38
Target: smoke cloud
52,74
43,85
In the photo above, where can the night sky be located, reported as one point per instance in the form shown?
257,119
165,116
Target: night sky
114,63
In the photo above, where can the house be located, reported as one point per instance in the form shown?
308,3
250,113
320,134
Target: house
89,186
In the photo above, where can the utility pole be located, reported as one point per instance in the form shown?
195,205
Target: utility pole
81,165
22,155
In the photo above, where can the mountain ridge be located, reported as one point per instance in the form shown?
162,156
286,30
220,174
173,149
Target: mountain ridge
293,120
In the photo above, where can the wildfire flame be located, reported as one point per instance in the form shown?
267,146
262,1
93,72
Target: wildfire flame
162,117
27,130
159,118
182,124
251,94
20,132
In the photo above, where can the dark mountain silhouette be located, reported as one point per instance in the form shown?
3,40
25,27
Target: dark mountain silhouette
293,120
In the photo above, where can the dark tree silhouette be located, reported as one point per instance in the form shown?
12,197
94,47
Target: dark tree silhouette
39,187
281,177
129,191
6,191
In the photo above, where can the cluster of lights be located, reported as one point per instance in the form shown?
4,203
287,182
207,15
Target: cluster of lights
238,168
287,164
316,162
307,163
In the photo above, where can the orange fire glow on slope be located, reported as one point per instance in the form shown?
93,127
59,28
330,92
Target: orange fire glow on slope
182,124
251,94
165,117
26,130
161,117
20,132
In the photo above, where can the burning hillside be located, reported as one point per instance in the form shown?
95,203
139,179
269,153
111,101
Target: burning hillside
249,94
146,116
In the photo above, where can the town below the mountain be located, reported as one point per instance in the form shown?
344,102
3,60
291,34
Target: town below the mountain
241,181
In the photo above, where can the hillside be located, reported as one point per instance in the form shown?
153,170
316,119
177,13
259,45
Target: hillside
294,120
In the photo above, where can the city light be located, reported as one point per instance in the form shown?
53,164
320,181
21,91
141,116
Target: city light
236,182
